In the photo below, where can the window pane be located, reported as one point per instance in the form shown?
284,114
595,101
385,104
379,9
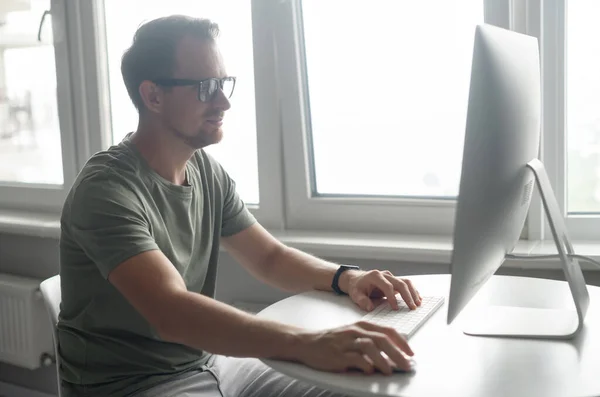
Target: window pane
583,106
237,151
30,146
388,90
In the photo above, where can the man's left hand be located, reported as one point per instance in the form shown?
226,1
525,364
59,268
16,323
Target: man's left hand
367,289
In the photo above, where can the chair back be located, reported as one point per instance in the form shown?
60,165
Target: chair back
50,289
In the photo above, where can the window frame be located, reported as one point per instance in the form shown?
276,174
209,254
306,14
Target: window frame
359,214
553,37
525,17
283,156
269,211
44,197
579,226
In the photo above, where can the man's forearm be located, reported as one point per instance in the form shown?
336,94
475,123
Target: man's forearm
206,324
295,271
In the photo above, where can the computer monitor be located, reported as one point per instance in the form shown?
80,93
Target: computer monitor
499,173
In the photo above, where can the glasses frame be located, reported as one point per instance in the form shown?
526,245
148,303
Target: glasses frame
173,82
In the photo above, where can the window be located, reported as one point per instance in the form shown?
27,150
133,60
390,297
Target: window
583,107
347,115
379,102
30,144
38,149
571,127
238,150
388,91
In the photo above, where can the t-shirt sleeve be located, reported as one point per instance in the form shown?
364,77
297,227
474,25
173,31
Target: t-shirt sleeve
107,221
236,216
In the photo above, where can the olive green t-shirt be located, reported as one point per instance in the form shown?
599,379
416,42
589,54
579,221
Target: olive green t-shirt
117,208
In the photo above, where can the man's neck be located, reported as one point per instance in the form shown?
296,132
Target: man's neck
164,153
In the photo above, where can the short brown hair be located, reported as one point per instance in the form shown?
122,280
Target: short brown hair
152,53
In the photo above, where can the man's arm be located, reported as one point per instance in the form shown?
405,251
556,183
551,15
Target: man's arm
295,271
156,290
276,264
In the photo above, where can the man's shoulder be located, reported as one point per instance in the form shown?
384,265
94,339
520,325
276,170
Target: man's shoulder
116,160
103,174
117,163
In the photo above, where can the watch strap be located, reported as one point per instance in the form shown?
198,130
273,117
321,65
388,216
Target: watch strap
336,278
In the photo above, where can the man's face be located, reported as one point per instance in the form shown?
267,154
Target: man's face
197,123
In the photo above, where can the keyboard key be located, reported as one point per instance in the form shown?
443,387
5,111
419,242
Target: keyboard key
405,321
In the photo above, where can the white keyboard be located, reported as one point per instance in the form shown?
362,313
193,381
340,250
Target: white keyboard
404,320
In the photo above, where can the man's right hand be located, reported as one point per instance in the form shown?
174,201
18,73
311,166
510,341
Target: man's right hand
357,346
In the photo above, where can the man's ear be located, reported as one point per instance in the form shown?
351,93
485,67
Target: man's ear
152,96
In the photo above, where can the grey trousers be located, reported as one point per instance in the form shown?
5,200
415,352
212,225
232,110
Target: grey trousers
237,377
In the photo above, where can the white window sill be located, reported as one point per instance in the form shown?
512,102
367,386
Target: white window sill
416,249
30,224
421,249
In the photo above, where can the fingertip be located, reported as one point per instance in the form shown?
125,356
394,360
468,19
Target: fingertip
408,367
406,348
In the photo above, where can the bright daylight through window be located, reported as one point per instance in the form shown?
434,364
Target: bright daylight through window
237,152
30,142
388,94
583,106
362,104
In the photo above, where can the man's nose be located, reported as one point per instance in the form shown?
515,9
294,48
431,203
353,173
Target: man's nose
221,101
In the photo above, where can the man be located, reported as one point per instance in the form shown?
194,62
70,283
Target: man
141,230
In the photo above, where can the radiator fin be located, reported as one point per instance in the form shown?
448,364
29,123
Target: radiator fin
25,329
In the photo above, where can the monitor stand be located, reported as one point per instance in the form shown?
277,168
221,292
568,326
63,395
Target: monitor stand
524,322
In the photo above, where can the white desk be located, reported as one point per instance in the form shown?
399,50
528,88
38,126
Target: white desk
452,364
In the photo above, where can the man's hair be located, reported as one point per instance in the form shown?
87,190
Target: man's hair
152,54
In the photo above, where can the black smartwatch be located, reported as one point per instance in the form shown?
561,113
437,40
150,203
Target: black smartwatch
336,278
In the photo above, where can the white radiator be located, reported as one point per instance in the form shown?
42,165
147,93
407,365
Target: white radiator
25,329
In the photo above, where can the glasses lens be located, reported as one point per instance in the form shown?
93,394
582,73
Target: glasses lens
228,85
208,88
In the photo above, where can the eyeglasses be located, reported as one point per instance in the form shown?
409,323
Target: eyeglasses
206,88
